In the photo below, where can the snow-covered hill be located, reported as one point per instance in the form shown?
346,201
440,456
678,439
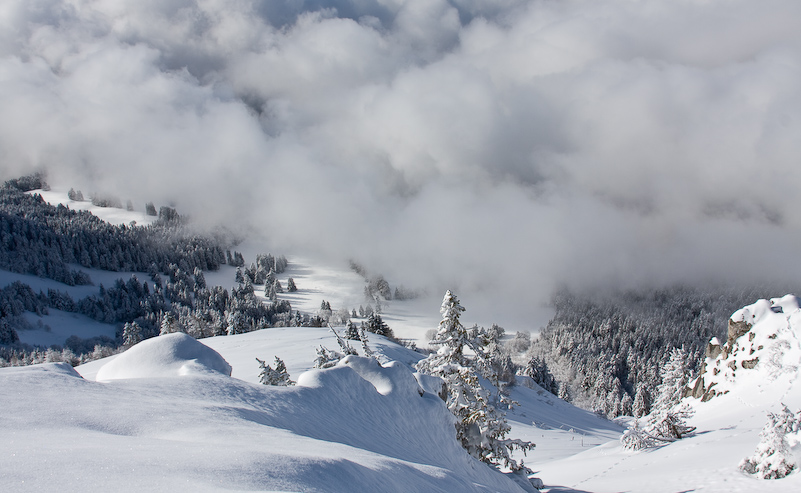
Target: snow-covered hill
171,407
755,372
111,215
356,427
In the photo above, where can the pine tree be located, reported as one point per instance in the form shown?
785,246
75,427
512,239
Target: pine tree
480,427
7,333
376,325
634,438
277,376
773,458
131,334
168,324
642,405
667,421
352,332
365,346
290,285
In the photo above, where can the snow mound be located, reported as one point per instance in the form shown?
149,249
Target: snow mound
168,355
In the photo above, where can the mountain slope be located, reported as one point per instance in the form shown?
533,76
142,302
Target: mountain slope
755,372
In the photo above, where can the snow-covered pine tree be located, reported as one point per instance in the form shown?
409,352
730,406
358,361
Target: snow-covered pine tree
773,458
352,332
480,427
365,347
327,358
634,438
667,421
277,376
131,334
290,285
168,324
376,325
642,404
538,370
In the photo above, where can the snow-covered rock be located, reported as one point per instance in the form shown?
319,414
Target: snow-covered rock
764,337
169,355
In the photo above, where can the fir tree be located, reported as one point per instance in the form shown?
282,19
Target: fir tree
773,458
352,332
290,285
168,324
480,427
667,421
634,438
277,376
131,334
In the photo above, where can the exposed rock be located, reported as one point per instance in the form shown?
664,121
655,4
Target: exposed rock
736,329
750,363
713,348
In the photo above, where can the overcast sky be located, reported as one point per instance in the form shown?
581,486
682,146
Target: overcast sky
500,148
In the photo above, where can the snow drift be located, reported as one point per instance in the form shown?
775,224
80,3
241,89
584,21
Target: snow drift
358,426
164,356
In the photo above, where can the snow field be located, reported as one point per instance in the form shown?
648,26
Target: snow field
355,427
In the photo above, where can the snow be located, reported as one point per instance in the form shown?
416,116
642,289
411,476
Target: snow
168,407
206,431
164,356
110,215
728,425
57,326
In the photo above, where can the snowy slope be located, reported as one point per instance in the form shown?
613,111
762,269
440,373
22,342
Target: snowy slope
57,326
110,215
728,425
355,427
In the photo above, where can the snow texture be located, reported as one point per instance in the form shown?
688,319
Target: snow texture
355,427
167,355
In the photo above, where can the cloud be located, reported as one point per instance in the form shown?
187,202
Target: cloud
499,147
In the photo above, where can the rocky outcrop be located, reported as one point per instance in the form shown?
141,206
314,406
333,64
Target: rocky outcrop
736,330
754,334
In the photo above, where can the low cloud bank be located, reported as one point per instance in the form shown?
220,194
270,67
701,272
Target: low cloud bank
501,148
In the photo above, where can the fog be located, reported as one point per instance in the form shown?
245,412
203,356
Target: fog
498,148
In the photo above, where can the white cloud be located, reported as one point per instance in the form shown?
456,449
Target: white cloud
502,146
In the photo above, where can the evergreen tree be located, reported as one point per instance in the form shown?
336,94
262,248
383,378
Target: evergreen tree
7,333
365,346
290,285
667,421
168,324
538,370
277,376
773,458
634,438
376,325
352,332
642,402
132,334
480,427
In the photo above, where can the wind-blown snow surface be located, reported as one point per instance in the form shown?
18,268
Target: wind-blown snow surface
356,427
728,425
